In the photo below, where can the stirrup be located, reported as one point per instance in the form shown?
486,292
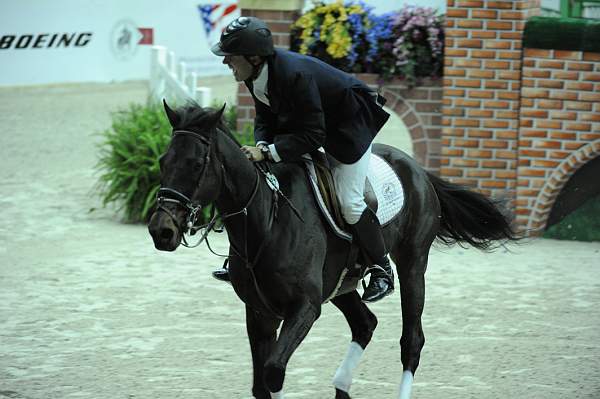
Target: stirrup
371,269
219,274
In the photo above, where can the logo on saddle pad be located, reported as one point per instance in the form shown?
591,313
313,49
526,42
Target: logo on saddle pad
389,192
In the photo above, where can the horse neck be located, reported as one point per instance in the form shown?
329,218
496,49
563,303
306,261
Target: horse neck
239,182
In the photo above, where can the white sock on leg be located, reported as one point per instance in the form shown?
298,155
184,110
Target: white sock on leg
406,384
343,376
277,395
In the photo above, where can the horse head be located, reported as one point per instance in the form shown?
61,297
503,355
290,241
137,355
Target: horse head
190,174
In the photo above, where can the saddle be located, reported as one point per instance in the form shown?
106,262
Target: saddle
383,191
383,194
328,193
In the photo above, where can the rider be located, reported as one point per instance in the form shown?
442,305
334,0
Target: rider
302,104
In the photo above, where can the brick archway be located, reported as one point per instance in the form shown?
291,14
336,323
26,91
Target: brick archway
554,184
420,109
416,128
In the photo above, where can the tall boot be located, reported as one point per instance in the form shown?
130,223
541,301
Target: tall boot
370,238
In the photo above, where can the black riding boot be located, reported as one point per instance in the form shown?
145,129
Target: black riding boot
222,274
370,239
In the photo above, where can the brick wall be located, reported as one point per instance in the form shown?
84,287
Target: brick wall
514,122
481,93
559,127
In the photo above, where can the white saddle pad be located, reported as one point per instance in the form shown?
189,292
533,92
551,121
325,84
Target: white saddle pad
386,185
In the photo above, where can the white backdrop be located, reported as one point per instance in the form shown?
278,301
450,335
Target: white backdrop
98,25
93,54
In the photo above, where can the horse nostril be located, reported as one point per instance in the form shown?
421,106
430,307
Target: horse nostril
166,234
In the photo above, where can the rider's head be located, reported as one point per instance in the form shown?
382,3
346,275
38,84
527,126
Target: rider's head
245,43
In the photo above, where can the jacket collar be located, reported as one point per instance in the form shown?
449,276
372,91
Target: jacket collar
272,88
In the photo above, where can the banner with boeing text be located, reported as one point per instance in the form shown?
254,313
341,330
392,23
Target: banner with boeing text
43,42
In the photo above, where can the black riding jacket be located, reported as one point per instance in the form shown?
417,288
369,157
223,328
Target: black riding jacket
313,104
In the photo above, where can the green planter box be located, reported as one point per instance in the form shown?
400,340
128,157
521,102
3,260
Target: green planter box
571,34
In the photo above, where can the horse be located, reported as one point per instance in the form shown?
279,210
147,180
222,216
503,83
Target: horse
284,260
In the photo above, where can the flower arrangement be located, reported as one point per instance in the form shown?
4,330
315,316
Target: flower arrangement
344,35
419,42
351,37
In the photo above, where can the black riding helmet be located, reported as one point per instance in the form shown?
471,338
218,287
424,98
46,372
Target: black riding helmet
245,36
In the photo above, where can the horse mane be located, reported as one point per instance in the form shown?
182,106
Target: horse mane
194,117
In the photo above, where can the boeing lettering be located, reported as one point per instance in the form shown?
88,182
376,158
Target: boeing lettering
45,40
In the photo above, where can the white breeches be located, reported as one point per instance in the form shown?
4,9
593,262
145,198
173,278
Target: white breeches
349,183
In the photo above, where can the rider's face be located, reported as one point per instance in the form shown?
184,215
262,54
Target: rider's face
240,67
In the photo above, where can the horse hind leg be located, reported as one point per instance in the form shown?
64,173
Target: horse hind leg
362,323
411,273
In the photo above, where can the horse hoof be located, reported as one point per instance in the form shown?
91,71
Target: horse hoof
274,376
339,394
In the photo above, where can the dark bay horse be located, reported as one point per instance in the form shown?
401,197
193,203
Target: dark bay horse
285,261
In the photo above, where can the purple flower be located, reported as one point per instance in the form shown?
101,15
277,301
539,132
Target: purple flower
406,43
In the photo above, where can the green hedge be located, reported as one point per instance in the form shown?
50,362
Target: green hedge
128,157
581,225
574,34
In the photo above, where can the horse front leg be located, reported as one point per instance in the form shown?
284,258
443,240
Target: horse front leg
412,292
362,323
296,325
262,333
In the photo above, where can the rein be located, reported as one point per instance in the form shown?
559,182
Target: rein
166,194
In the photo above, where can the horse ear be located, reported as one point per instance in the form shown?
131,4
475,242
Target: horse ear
216,117
219,113
172,115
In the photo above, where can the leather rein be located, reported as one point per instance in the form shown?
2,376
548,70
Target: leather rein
194,209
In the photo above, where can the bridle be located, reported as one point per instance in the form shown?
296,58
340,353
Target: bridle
194,209
169,195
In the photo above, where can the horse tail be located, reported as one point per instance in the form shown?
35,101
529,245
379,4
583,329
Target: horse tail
469,217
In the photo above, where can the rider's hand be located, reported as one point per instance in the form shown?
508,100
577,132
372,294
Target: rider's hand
253,153
261,145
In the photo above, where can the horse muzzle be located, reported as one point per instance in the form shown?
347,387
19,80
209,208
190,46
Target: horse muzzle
165,234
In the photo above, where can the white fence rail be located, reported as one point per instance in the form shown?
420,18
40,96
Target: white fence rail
174,81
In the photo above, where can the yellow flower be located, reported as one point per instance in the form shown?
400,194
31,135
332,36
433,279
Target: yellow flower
343,15
336,50
306,21
329,20
307,40
356,9
339,42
